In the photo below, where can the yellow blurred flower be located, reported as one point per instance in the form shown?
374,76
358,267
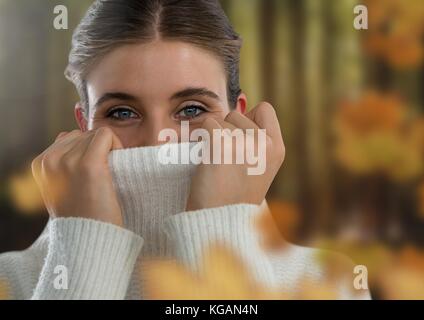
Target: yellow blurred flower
222,277
278,225
396,29
412,258
374,256
24,193
400,283
392,274
416,132
4,291
404,280
312,290
372,112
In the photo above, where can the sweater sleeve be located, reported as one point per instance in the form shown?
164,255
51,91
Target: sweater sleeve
87,260
232,226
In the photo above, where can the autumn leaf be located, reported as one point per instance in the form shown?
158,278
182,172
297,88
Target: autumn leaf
313,290
222,276
372,112
375,256
375,135
278,225
404,279
393,274
396,29
411,257
401,283
4,290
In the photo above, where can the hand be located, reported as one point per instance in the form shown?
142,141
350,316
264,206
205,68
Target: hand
216,185
74,178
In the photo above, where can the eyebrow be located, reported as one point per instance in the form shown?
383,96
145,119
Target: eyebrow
114,96
186,93
191,92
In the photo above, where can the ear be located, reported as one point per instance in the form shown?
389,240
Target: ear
80,117
242,103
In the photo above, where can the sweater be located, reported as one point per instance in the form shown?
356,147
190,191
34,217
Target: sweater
104,261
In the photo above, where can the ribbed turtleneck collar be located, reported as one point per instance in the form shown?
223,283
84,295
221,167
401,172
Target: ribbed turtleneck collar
149,191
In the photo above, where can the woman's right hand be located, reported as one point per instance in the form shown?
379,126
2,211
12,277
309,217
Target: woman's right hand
74,178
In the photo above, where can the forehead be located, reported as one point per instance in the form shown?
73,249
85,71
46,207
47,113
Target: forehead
157,69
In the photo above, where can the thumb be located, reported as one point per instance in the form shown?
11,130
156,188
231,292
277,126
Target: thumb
116,142
102,143
265,117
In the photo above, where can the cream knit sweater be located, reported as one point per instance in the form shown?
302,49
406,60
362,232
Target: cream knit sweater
104,261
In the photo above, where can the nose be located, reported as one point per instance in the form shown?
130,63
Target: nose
152,128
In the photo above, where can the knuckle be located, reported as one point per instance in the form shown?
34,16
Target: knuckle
265,104
48,161
266,107
104,131
61,134
35,165
66,164
74,133
231,115
36,161
47,158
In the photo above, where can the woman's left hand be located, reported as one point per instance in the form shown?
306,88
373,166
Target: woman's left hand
216,185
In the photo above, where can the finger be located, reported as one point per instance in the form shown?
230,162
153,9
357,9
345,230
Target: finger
265,117
240,121
66,139
226,125
64,142
103,142
211,124
36,167
79,147
61,146
61,135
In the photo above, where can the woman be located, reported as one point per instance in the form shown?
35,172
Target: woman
142,66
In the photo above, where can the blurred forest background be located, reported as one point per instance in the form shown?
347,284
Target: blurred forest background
350,103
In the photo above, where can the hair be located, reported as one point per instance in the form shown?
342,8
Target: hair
109,24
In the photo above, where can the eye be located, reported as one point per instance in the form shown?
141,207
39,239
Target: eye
191,112
121,114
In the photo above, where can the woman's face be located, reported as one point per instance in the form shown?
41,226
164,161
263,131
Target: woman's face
139,90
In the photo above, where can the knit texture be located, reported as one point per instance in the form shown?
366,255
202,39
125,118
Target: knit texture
104,261
150,191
